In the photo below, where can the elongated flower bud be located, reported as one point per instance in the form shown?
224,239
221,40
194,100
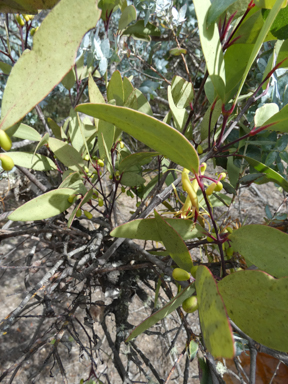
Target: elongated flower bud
180,274
210,189
5,141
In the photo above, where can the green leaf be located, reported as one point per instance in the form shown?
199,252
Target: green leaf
95,96
25,6
106,132
236,59
180,115
5,68
211,46
279,120
140,158
57,131
128,15
283,54
74,131
36,162
42,207
163,312
152,132
264,113
268,4
84,200
204,127
182,92
271,175
74,181
141,31
27,133
258,44
264,246
132,179
107,7
69,80
146,229
279,28
115,89
66,154
257,303
215,326
38,71
233,172
216,10
173,244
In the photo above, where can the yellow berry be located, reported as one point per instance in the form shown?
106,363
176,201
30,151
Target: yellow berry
86,157
78,213
180,274
33,31
121,144
5,141
100,163
88,215
203,168
7,162
190,305
223,175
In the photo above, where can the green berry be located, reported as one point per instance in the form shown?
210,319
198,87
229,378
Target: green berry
79,213
71,198
199,149
190,305
7,162
219,186
5,141
180,274
101,163
194,271
100,202
88,215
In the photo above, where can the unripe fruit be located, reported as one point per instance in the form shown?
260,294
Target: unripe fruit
71,198
219,186
138,204
19,20
100,163
123,189
199,149
190,305
5,141
78,213
86,157
223,175
121,144
33,31
86,169
100,202
194,270
7,162
210,189
88,215
28,17
209,239
180,274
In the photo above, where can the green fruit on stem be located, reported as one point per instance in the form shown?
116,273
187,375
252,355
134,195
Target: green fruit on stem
194,270
100,202
229,251
78,213
71,198
190,305
88,215
180,274
210,189
5,141
199,149
7,162
100,163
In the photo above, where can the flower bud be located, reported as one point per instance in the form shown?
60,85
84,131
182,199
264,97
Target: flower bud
71,198
121,144
7,162
180,274
19,20
203,168
190,305
5,141
100,163
219,186
100,202
210,189
79,213
86,157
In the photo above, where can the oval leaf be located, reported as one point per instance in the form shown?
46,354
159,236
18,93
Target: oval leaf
146,229
264,246
140,158
174,244
42,207
149,130
38,71
66,154
214,321
36,162
264,113
163,312
263,316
